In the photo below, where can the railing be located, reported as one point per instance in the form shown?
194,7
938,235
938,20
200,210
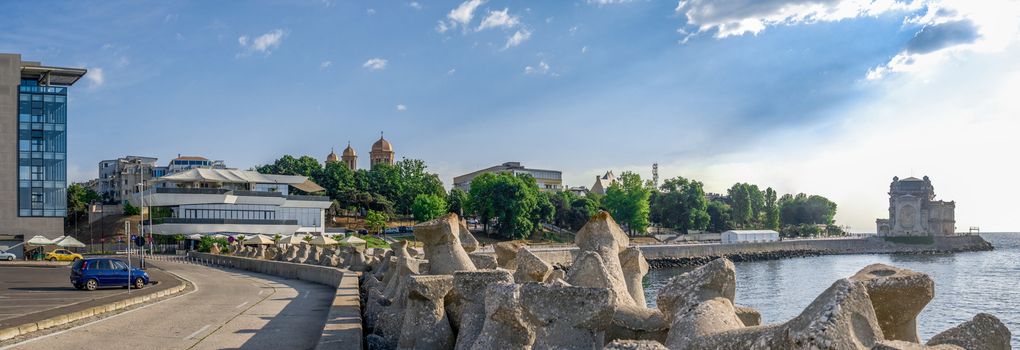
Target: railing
257,193
223,221
307,198
174,190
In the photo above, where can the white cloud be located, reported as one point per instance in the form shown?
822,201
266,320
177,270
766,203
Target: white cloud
460,16
415,5
401,108
325,64
584,49
499,19
542,68
95,77
370,11
264,43
375,64
738,17
607,2
520,36
451,71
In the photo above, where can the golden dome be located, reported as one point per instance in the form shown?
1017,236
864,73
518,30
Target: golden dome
332,157
349,151
382,146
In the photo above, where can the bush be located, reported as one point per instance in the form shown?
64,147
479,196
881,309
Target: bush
131,210
205,245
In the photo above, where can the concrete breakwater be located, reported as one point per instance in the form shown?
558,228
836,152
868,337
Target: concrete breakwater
676,255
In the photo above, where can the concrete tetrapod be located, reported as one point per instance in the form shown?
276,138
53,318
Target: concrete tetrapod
984,331
601,235
505,327
530,268
483,261
506,254
467,240
634,269
567,317
898,296
441,238
470,286
426,325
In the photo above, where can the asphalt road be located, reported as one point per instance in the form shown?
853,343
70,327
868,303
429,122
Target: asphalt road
228,309
29,294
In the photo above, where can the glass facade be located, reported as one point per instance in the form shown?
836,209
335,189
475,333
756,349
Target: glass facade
42,150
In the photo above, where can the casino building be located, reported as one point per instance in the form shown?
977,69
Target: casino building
913,210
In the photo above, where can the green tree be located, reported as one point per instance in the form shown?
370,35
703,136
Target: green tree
375,221
288,165
747,202
680,205
456,201
771,210
719,216
131,210
627,201
78,199
427,207
803,209
570,210
512,200
336,179
415,180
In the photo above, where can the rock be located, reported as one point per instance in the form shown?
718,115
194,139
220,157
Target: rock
567,317
634,269
442,245
483,261
470,286
530,268
426,325
588,270
506,254
984,331
635,345
556,275
602,236
748,315
467,240
898,296
716,279
505,326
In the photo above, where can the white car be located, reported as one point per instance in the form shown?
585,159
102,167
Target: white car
5,256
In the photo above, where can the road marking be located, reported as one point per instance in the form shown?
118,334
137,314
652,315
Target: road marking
200,330
242,304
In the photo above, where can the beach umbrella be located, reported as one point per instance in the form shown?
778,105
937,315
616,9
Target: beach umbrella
219,236
352,240
258,239
195,237
69,242
294,239
39,240
322,240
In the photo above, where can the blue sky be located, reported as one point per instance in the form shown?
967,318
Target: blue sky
822,96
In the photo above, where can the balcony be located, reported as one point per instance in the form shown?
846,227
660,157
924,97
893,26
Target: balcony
172,190
161,221
307,198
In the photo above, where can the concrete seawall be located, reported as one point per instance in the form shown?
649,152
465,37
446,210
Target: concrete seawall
343,324
693,254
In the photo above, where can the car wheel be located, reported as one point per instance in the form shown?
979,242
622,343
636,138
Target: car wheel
139,283
91,284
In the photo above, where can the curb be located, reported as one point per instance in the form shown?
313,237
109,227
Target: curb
14,331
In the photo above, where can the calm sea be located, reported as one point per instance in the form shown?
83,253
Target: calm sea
965,283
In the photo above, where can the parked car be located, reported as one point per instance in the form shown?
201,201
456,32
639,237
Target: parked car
362,232
406,229
7,256
89,274
472,221
391,231
62,255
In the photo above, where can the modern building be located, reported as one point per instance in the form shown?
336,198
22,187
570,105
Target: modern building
228,201
119,178
913,210
749,236
182,163
548,180
603,182
381,153
33,146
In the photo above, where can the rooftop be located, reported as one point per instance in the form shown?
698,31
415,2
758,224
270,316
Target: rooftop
47,75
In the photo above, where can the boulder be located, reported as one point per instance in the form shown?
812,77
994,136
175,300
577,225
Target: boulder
441,239
483,261
506,254
505,327
634,269
470,287
984,331
530,268
467,240
898,296
567,317
426,325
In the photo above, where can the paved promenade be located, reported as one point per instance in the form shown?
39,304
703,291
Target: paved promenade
227,309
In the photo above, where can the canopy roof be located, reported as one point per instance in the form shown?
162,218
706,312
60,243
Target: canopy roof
242,176
39,240
258,239
353,240
322,240
69,242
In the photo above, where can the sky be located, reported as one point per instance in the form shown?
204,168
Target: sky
829,97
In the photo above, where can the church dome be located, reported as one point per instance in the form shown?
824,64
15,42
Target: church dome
349,151
382,146
332,157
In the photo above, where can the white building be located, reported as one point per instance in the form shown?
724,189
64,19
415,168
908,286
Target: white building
209,201
749,236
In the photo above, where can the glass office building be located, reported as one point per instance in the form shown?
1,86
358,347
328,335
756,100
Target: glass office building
42,149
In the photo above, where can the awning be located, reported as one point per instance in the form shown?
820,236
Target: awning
309,186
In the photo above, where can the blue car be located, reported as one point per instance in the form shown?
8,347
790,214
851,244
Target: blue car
89,274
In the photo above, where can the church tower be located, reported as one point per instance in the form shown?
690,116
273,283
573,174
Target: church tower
350,157
382,152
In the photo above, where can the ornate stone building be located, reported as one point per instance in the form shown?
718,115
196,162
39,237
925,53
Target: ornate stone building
913,210
382,153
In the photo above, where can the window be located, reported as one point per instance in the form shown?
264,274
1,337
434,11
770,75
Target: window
118,265
103,265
